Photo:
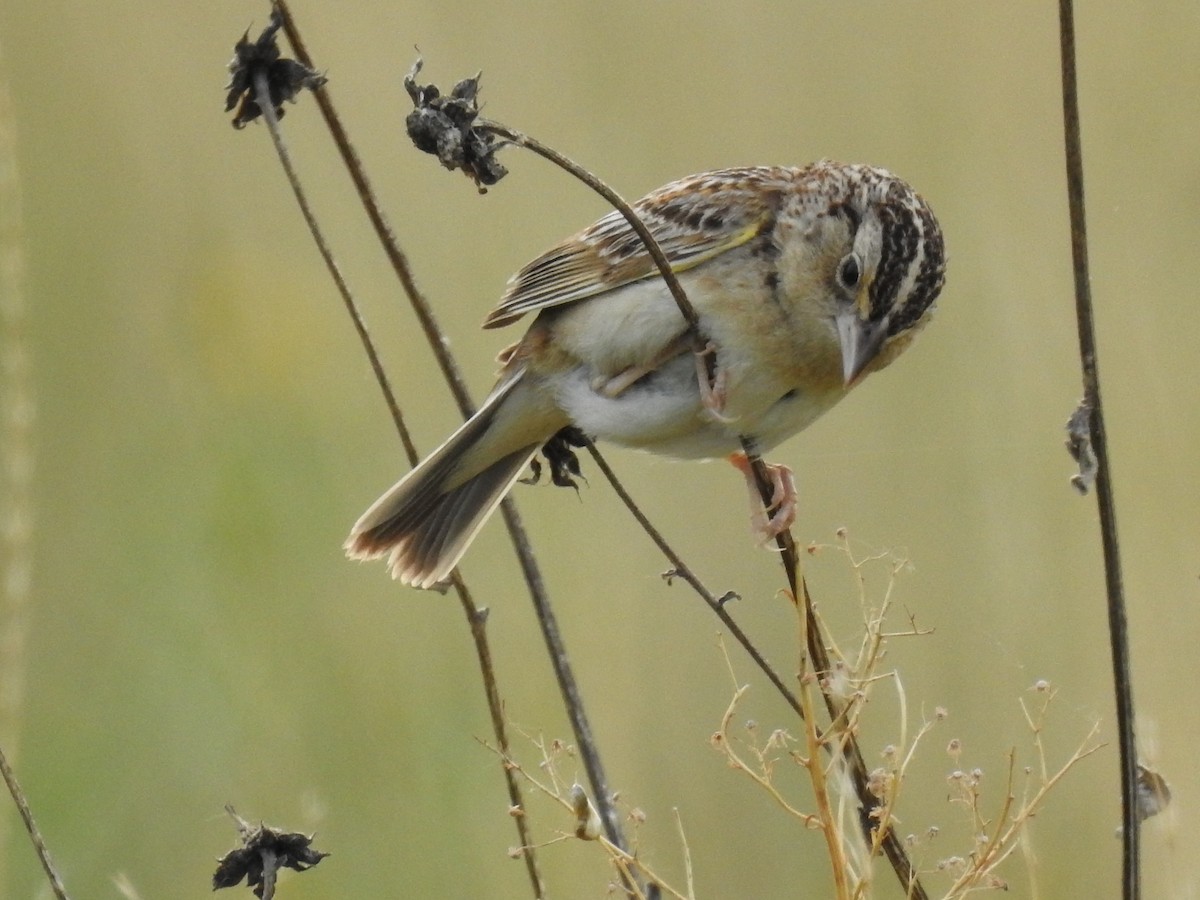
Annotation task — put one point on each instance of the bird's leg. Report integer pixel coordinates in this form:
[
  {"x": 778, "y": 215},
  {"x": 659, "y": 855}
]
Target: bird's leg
[
  {"x": 781, "y": 512},
  {"x": 616, "y": 385},
  {"x": 712, "y": 382},
  {"x": 622, "y": 381}
]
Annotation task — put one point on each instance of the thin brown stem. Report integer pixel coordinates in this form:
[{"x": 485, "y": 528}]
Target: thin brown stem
[
  {"x": 439, "y": 343},
  {"x": 569, "y": 688},
  {"x": 35, "y": 836},
  {"x": 619, "y": 204},
  {"x": 680, "y": 569},
  {"x": 476, "y": 618},
  {"x": 263, "y": 97},
  {"x": 434, "y": 335},
  {"x": 905, "y": 871},
  {"x": 1118, "y": 627}
]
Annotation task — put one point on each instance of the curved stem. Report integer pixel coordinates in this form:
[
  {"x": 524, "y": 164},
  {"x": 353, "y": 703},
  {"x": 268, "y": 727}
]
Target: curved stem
[
  {"x": 681, "y": 569},
  {"x": 619, "y": 204}
]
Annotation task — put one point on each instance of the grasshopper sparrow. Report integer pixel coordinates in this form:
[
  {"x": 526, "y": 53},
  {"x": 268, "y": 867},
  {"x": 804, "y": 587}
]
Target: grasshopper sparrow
[{"x": 804, "y": 279}]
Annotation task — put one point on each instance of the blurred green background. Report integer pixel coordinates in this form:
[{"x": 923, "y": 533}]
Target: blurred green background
[{"x": 208, "y": 429}]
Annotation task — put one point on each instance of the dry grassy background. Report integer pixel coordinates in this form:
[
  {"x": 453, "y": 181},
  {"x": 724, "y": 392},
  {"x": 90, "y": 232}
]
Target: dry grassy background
[{"x": 208, "y": 429}]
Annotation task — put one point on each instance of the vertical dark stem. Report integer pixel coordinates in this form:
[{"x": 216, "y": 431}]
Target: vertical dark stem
[
  {"x": 477, "y": 620},
  {"x": 568, "y": 687},
  {"x": 450, "y": 371},
  {"x": 1117, "y": 625},
  {"x": 475, "y": 617}
]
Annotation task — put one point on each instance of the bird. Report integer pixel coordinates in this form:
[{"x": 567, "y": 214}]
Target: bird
[{"x": 804, "y": 281}]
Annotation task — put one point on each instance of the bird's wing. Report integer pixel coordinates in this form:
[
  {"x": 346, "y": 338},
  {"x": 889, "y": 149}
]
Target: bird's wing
[{"x": 693, "y": 220}]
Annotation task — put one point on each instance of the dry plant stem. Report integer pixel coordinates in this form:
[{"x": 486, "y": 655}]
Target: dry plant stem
[
  {"x": 433, "y": 333},
  {"x": 262, "y": 95},
  {"x": 1004, "y": 841},
  {"x": 620, "y": 205},
  {"x": 633, "y": 869},
  {"x": 440, "y": 345},
  {"x": 1117, "y": 624},
  {"x": 1035, "y": 728},
  {"x": 476, "y": 618},
  {"x": 893, "y": 849},
  {"x": 867, "y": 662},
  {"x": 681, "y": 569},
  {"x": 765, "y": 783},
  {"x": 891, "y": 845},
  {"x": 839, "y": 864},
  {"x": 568, "y": 687},
  {"x": 848, "y": 745},
  {"x": 687, "y": 856},
  {"x": 887, "y": 811},
  {"x": 39, "y": 845}
]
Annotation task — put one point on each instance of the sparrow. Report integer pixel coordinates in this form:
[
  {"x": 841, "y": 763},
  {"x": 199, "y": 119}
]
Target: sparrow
[{"x": 804, "y": 279}]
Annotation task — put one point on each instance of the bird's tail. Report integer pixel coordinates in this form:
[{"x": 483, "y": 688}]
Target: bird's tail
[{"x": 425, "y": 523}]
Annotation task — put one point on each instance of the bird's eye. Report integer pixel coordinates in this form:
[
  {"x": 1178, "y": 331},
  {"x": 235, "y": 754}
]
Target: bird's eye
[{"x": 849, "y": 271}]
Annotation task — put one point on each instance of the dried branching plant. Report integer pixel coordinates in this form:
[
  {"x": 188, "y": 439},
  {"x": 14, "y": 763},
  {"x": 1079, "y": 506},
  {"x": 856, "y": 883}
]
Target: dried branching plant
[{"x": 993, "y": 827}]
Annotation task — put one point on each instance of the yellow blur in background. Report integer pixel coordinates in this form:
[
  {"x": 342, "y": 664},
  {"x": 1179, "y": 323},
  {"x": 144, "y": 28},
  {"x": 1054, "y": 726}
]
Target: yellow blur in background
[{"x": 208, "y": 429}]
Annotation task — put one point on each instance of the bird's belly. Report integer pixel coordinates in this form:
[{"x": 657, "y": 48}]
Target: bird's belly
[{"x": 663, "y": 413}]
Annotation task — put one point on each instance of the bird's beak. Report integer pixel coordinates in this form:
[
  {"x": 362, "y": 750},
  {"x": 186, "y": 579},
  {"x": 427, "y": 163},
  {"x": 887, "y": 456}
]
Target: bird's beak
[{"x": 860, "y": 340}]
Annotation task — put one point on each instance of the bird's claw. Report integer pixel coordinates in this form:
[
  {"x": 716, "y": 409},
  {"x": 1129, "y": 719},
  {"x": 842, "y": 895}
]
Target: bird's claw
[{"x": 778, "y": 516}]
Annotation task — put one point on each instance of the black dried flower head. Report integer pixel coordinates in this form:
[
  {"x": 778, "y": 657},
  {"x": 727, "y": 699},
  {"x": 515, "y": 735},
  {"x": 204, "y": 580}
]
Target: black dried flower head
[
  {"x": 263, "y": 852},
  {"x": 445, "y": 126},
  {"x": 285, "y": 77}
]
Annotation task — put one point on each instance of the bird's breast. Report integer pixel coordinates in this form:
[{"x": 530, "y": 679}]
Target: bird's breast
[{"x": 663, "y": 413}]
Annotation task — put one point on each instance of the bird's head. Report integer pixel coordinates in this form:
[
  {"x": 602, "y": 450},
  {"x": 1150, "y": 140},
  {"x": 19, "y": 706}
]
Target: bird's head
[{"x": 885, "y": 284}]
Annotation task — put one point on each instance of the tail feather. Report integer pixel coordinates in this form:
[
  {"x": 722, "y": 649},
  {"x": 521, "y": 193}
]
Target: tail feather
[
  {"x": 424, "y": 554},
  {"x": 425, "y": 523}
]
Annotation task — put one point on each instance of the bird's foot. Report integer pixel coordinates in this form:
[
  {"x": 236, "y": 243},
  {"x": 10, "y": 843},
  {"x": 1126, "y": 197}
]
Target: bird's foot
[{"x": 777, "y": 517}]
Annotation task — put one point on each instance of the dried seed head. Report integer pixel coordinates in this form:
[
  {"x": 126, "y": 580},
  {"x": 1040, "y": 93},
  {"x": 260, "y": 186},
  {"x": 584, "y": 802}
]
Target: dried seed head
[{"x": 285, "y": 78}]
